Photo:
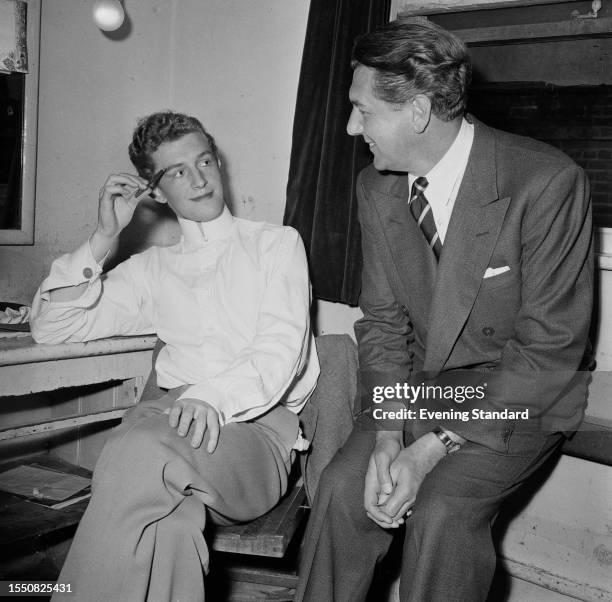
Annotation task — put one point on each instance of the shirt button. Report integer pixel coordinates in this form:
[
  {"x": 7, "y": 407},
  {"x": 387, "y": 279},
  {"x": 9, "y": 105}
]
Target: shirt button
[
  {"x": 88, "y": 273},
  {"x": 488, "y": 331}
]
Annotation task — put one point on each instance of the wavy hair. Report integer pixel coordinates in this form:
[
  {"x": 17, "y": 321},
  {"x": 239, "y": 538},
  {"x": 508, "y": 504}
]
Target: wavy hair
[
  {"x": 417, "y": 57},
  {"x": 155, "y": 129}
]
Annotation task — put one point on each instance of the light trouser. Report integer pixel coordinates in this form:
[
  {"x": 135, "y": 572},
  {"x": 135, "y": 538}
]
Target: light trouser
[{"x": 141, "y": 537}]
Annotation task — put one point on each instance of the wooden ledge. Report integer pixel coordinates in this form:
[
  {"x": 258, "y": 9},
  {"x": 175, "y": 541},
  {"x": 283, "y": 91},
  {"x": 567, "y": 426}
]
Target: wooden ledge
[{"x": 24, "y": 350}]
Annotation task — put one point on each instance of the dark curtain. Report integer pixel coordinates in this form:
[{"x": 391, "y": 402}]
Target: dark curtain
[{"x": 325, "y": 160}]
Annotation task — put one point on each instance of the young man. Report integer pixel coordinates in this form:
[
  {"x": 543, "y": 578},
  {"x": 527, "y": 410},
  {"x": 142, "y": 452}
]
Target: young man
[
  {"x": 231, "y": 303},
  {"x": 477, "y": 273}
]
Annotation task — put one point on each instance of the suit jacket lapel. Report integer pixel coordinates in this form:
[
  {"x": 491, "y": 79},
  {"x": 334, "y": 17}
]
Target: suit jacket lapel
[
  {"x": 472, "y": 233},
  {"x": 415, "y": 265}
]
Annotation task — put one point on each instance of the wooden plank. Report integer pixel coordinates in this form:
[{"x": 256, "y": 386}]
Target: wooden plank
[
  {"x": 255, "y": 592},
  {"x": 430, "y": 7},
  {"x": 268, "y": 535},
  {"x": 22, "y": 379},
  {"x": 537, "y": 32},
  {"x": 266, "y": 576},
  {"x": 554, "y": 582},
  {"x": 53, "y": 425},
  {"x": 592, "y": 442},
  {"x": 24, "y": 350}
]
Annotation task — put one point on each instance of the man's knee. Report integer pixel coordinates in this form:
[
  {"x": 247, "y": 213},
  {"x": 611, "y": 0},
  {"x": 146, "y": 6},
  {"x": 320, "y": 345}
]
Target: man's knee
[
  {"x": 433, "y": 509},
  {"x": 141, "y": 437},
  {"x": 339, "y": 482},
  {"x": 132, "y": 449},
  {"x": 444, "y": 513},
  {"x": 340, "y": 493}
]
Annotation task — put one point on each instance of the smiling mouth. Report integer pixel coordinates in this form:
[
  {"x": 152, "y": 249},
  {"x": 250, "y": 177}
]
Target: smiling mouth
[{"x": 202, "y": 197}]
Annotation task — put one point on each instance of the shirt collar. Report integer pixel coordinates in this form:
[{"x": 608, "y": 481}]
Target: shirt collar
[
  {"x": 442, "y": 177},
  {"x": 197, "y": 234}
]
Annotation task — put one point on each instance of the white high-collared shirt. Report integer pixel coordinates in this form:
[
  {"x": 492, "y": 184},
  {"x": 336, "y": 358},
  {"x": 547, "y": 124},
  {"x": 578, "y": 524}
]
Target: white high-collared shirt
[
  {"x": 445, "y": 177},
  {"x": 231, "y": 301}
]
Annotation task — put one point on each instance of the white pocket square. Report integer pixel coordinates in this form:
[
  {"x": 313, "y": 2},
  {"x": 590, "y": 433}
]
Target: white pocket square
[{"x": 496, "y": 271}]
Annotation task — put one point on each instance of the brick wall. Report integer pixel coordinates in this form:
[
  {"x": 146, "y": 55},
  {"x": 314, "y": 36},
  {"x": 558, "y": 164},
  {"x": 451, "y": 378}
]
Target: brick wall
[{"x": 575, "y": 119}]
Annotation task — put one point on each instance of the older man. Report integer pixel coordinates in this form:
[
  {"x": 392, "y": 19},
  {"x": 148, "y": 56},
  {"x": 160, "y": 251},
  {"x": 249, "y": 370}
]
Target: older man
[{"x": 476, "y": 291}]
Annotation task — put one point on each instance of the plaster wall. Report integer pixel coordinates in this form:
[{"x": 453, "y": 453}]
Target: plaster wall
[{"x": 234, "y": 64}]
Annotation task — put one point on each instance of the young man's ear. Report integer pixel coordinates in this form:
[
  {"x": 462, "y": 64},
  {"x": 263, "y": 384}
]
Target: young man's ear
[{"x": 159, "y": 197}]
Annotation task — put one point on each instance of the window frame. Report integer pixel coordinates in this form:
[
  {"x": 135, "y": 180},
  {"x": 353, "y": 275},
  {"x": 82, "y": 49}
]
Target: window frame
[{"x": 24, "y": 235}]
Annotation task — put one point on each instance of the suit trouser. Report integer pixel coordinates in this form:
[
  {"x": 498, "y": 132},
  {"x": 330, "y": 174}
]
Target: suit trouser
[
  {"x": 448, "y": 552},
  {"x": 141, "y": 537}
]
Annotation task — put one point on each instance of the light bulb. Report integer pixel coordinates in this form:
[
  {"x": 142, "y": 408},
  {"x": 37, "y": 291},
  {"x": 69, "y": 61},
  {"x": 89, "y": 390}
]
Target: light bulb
[{"x": 108, "y": 14}]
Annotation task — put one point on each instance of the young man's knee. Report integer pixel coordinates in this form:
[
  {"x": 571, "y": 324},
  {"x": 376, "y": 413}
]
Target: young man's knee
[
  {"x": 132, "y": 450},
  {"x": 143, "y": 435}
]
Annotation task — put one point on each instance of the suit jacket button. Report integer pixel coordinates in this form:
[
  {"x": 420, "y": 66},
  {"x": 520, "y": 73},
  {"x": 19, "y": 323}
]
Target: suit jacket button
[
  {"x": 88, "y": 273},
  {"x": 488, "y": 331}
]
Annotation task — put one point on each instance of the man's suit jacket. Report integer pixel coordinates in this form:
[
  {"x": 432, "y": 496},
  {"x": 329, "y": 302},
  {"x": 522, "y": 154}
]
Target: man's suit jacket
[{"x": 521, "y": 204}]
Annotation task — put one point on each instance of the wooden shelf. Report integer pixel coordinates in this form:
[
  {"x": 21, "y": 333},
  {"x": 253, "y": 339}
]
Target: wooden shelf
[
  {"x": 409, "y": 8},
  {"x": 537, "y": 32}
]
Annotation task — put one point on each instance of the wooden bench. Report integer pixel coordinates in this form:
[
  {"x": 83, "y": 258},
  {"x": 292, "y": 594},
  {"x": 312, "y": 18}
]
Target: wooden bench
[
  {"x": 270, "y": 534},
  {"x": 555, "y": 536},
  {"x": 592, "y": 441}
]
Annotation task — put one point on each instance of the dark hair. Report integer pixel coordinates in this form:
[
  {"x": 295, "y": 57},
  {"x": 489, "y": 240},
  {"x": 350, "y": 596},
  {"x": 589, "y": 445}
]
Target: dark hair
[
  {"x": 417, "y": 57},
  {"x": 152, "y": 131}
]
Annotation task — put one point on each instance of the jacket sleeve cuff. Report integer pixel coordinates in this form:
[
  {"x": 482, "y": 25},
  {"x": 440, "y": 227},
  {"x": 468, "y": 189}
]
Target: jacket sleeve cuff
[{"x": 493, "y": 434}]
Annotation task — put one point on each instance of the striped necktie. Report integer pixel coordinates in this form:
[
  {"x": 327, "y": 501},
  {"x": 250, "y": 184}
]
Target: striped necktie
[{"x": 421, "y": 210}]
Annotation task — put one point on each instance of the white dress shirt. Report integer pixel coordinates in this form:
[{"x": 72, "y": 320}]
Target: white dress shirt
[
  {"x": 231, "y": 301},
  {"x": 444, "y": 178}
]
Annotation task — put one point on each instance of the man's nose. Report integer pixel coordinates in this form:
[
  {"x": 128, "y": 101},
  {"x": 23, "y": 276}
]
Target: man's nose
[
  {"x": 199, "y": 179},
  {"x": 354, "y": 126}
]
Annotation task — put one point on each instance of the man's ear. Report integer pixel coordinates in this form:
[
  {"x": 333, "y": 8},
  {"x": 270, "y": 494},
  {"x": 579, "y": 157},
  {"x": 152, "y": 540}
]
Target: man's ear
[
  {"x": 159, "y": 197},
  {"x": 421, "y": 112}
]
